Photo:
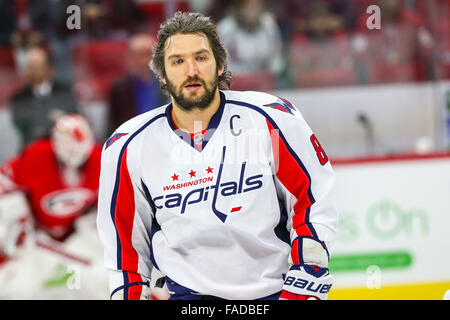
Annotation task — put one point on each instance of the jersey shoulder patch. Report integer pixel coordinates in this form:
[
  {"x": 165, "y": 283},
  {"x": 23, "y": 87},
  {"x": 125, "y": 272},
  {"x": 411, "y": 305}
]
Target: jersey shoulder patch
[
  {"x": 282, "y": 105},
  {"x": 113, "y": 139}
]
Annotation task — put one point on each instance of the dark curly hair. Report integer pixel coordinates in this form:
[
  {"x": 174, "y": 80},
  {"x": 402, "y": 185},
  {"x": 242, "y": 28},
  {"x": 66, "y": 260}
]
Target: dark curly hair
[{"x": 187, "y": 23}]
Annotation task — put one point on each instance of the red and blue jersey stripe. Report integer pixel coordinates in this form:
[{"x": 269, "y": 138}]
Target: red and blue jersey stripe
[
  {"x": 122, "y": 214},
  {"x": 294, "y": 176}
]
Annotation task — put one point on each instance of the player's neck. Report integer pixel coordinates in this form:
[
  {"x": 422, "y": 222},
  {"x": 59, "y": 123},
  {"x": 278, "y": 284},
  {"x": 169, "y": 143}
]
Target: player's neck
[{"x": 196, "y": 120}]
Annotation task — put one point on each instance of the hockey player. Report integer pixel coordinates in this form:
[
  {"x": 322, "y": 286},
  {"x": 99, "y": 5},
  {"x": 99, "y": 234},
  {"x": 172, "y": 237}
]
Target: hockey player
[
  {"x": 52, "y": 186},
  {"x": 226, "y": 193},
  {"x": 59, "y": 175}
]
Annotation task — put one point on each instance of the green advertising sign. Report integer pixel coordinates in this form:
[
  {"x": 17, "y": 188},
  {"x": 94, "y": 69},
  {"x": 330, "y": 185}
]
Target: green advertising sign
[{"x": 361, "y": 261}]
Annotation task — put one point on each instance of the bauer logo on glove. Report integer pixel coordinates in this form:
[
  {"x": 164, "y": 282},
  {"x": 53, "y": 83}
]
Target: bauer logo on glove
[{"x": 307, "y": 281}]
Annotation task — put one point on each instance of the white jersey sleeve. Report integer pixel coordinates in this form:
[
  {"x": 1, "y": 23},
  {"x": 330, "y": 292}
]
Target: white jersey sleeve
[
  {"x": 123, "y": 220},
  {"x": 304, "y": 180}
]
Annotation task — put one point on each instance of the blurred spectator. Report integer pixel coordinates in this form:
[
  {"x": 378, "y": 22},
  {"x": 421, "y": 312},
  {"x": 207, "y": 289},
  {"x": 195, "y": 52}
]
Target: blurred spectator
[
  {"x": 254, "y": 45},
  {"x": 24, "y": 36},
  {"x": 138, "y": 91},
  {"x": 25, "y": 24},
  {"x": 95, "y": 23},
  {"x": 98, "y": 49},
  {"x": 58, "y": 174},
  {"x": 437, "y": 17},
  {"x": 45, "y": 17},
  {"x": 108, "y": 19},
  {"x": 126, "y": 18},
  {"x": 48, "y": 19},
  {"x": 217, "y": 10},
  {"x": 400, "y": 51},
  {"x": 42, "y": 100},
  {"x": 35, "y": 23},
  {"x": 10, "y": 79},
  {"x": 156, "y": 11},
  {"x": 7, "y": 22},
  {"x": 295, "y": 15},
  {"x": 21, "y": 43},
  {"x": 321, "y": 22},
  {"x": 320, "y": 49}
]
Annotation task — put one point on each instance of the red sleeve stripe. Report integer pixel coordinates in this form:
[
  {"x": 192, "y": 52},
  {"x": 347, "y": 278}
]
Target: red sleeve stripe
[
  {"x": 131, "y": 290},
  {"x": 124, "y": 218},
  {"x": 295, "y": 253},
  {"x": 134, "y": 292},
  {"x": 122, "y": 210},
  {"x": 292, "y": 174},
  {"x": 295, "y": 178}
]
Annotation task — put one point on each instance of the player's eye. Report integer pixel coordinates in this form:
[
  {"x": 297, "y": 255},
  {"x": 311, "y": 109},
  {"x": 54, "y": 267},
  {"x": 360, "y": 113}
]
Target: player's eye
[
  {"x": 177, "y": 61},
  {"x": 201, "y": 58}
]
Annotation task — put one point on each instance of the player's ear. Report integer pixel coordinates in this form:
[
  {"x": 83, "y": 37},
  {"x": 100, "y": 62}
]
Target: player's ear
[{"x": 220, "y": 71}]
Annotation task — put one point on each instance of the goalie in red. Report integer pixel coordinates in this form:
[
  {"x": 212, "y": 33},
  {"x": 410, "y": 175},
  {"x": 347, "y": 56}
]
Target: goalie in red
[
  {"x": 48, "y": 198},
  {"x": 58, "y": 175}
]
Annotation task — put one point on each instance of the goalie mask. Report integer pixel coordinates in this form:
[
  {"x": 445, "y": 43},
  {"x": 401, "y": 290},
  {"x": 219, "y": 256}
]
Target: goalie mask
[{"x": 72, "y": 140}]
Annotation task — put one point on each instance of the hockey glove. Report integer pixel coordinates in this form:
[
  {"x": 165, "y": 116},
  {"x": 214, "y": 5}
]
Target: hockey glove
[
  {"x": 306, "y": 282},
  {"x": 158, "y": 287}
]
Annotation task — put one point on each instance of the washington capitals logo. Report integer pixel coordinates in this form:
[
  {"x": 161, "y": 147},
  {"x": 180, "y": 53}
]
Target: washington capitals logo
[
  {"x": 113, "y": 139},
  {"x": 282, "y": 105},
  {"x": 219, "y": 189}
]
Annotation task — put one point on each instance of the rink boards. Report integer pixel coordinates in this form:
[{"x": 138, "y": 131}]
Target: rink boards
[{"x": 394, "y": 228}]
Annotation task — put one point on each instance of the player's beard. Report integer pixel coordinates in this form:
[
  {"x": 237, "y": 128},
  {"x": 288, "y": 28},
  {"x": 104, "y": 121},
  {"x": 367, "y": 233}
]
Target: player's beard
[{"x": 188, "y": 102}]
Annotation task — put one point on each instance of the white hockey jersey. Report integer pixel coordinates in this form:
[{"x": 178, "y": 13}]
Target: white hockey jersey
[{"x": 222, "y": 219}]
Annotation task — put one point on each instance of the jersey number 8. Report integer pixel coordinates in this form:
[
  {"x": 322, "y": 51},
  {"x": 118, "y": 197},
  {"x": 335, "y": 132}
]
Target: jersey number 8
[{"x": 321, "y": 155}]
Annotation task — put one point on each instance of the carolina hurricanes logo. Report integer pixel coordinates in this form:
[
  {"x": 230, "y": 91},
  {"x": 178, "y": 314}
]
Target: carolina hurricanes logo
[
  {"x": 67, "y": 202},
  {"x": 282, "y": 105}
]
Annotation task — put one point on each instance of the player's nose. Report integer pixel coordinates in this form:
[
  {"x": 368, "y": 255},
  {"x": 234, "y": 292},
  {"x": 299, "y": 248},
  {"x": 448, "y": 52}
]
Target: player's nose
[{"x": 192, "y": 69}]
